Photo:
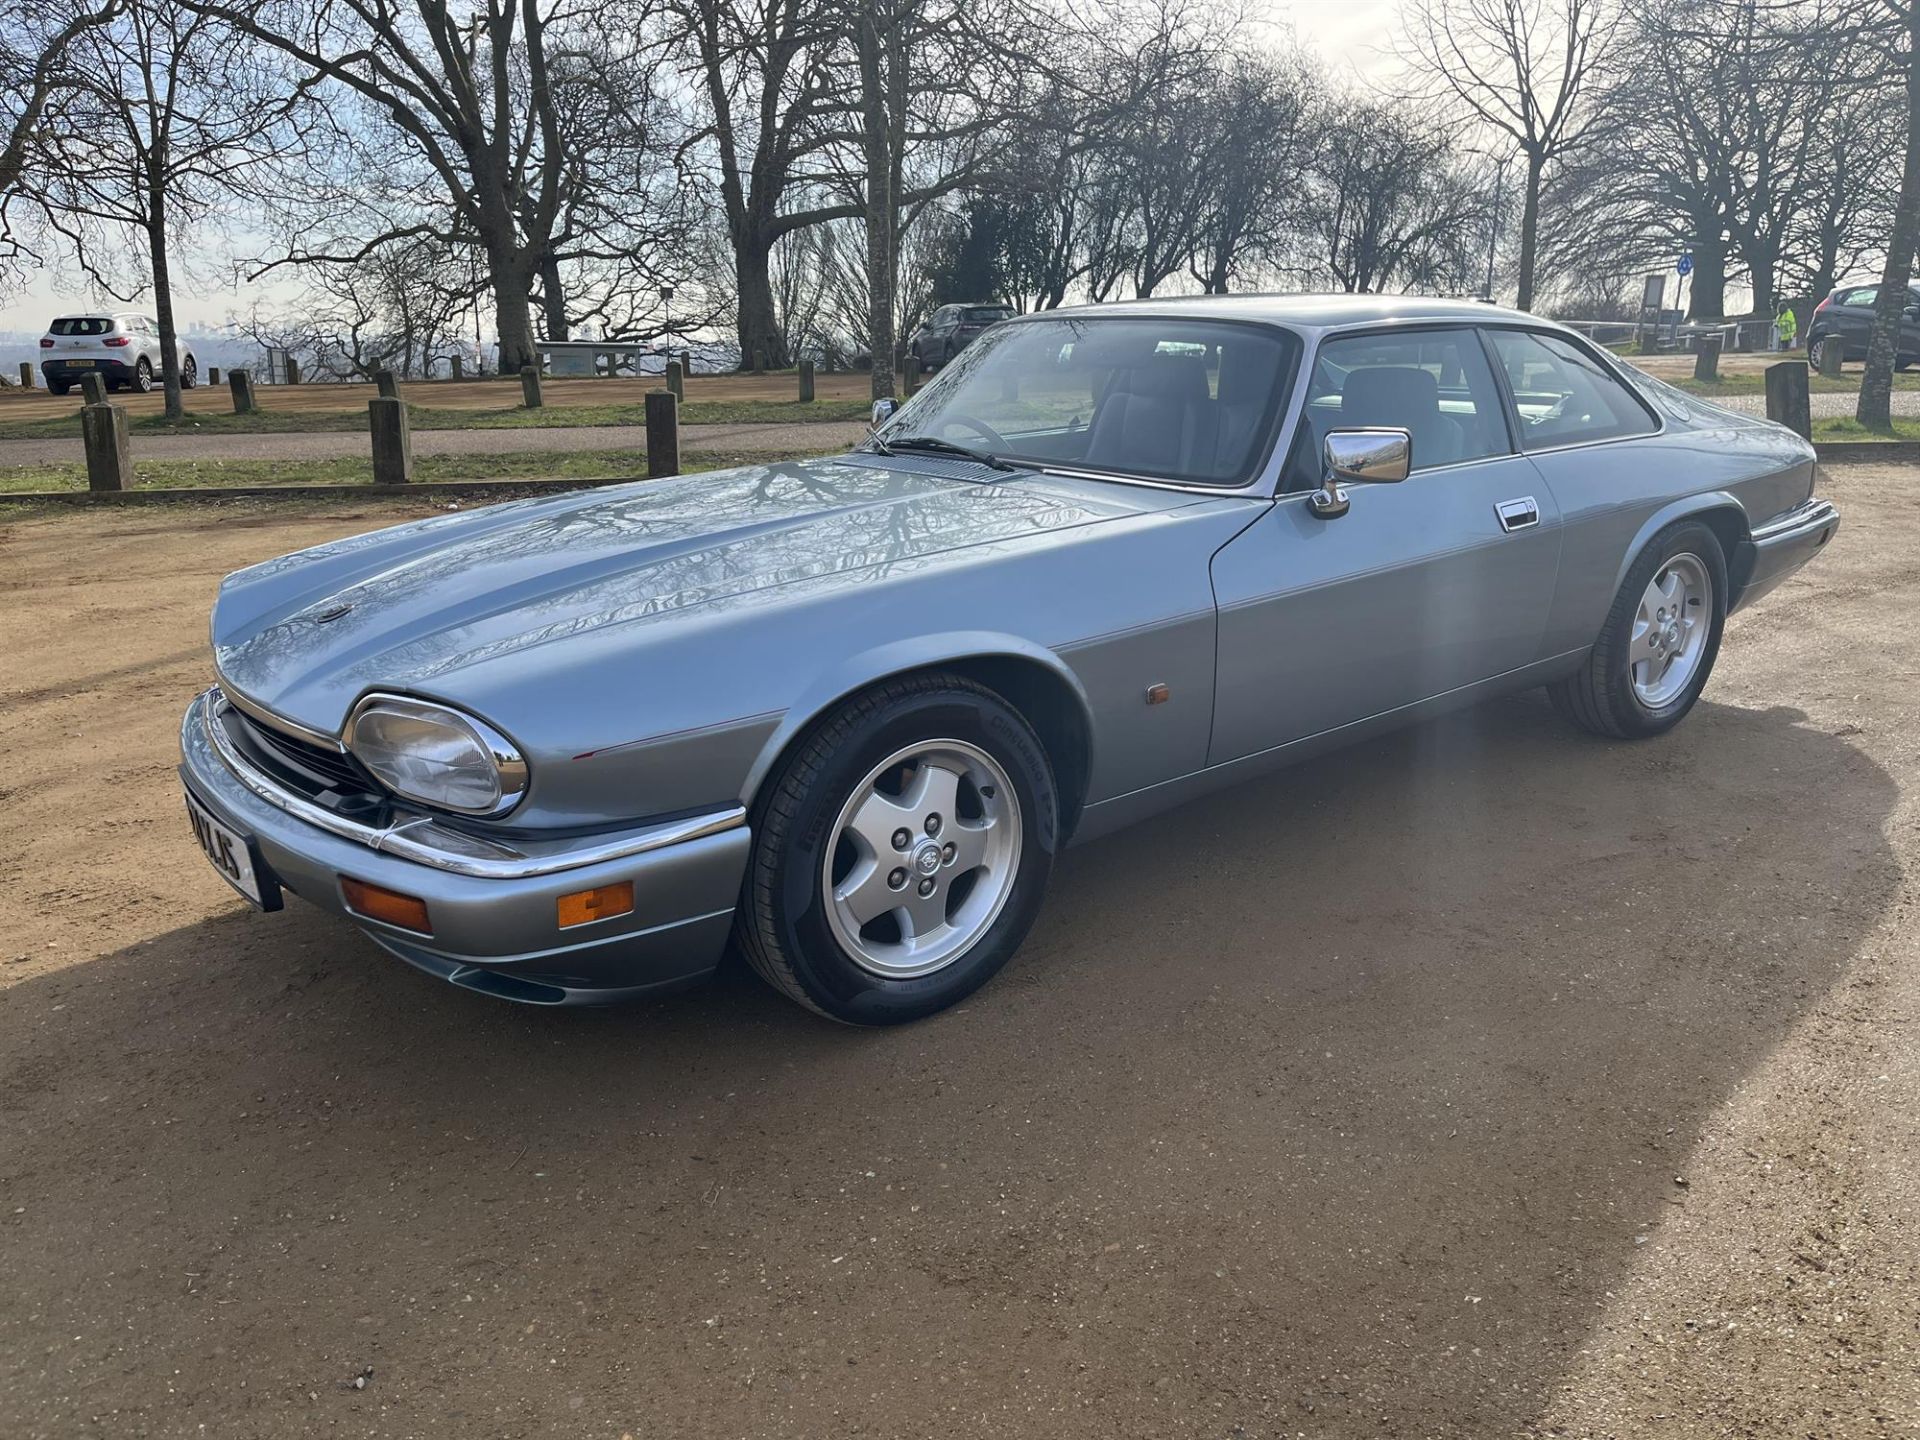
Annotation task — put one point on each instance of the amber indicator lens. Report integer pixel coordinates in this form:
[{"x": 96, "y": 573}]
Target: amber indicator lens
[
  {"x": 376, "y": 902},
  {"x": 603, "y": 902}
]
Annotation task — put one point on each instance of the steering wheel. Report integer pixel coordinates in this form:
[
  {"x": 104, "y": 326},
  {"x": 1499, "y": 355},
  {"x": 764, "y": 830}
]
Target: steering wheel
[{"x": 994, "y": 437}]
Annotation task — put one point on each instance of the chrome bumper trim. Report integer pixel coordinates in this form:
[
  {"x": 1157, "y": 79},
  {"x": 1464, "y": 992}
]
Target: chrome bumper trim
[
  {"x": 1805, "y": 517},
  {"x": 413, "y": 838}
]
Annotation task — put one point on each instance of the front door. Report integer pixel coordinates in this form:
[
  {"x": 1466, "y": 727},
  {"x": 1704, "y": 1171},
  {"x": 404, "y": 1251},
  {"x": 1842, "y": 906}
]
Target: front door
[{"x": 1421, "y": 588}]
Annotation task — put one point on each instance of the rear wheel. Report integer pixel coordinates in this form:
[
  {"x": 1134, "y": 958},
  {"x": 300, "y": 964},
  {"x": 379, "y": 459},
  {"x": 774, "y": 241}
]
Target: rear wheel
[
  {"x": 900, "y": 852},
  {"x": 142, "y": 376},
  {"x": 58, "y": 387},
  {"x": 189, "y": 373},
  {"x": 1659, "y": 643}
]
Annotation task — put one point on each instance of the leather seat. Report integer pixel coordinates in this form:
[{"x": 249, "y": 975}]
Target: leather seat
[
  {"x": 1157, "y": 415},
  {"x": 1403, "y": 397}
]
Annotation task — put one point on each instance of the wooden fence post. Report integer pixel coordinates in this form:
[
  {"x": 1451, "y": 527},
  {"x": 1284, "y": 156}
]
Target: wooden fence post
[
  {"x": 806, "y": 382},
  {"x": 103, "y": 431},
  {"x": 677, "y": 380},
  {"x": 459, "y": 368},
  {"x": 910, "y": 374},
  {"x": 387, "y": 384},
  {"x": 93, "y": 389},
  {"x": 1706, "y": 359},
  {"x": 1787, "y": 401},
  {"x": 240, "y": 386},
  {"x": 663, "y": 434},
  {"x": 530, "y": 387},
  {"x": 1830, "y": 355},
  {"x": 213, "y": 375},
  {"x": 392, "y": 442},
  {"x": 26, "y": 374},
  {"x": 293, "y": 371}
]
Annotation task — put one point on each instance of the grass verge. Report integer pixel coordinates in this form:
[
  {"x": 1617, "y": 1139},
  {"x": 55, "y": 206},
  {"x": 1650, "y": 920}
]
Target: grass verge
[
  {"x": 586, "y": 466},
  {"x": 421, "y": 417},
  {"x": 1845, "y": 427}
]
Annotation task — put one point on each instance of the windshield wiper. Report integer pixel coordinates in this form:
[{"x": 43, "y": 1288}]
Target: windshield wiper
[{"x": 947, "y": 447}]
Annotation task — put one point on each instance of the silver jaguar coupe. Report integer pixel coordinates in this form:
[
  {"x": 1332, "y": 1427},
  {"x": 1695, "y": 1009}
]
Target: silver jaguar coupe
[{"x": 844, "y": 714}]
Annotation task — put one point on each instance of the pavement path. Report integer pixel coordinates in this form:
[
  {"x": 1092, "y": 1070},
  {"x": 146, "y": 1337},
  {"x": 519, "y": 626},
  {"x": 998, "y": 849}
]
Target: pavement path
[{"x": 823, "y": 438}]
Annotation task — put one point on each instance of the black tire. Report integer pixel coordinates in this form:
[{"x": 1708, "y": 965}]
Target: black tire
[
  {"x": 1600, "y": 697},
  {"x": 58, "y": 387},
  {"x": 142, "y": 376},
  {"x": 189, "y": 373},
  {"x": 782, "y": 926}
]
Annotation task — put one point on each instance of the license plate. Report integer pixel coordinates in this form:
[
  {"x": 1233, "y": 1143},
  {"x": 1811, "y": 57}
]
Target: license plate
[
  {"x": 232, "y": 855},
  {"x": 83, "y": 362}
]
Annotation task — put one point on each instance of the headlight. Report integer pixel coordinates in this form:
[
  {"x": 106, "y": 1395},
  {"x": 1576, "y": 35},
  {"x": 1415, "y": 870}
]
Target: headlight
[{"x": 437, "y": 756}]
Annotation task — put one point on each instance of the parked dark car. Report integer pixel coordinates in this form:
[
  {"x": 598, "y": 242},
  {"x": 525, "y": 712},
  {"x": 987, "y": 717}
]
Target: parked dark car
[
  {"x": 946, "y": 332},
  {"x": 1848, "y": 313}
]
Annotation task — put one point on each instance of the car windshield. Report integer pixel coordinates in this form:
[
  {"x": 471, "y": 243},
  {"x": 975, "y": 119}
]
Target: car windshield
[
  {"x": 1192, "y": 401},
  {"x": 984, "y": 314},
  {"x": 82, "y": 325}
]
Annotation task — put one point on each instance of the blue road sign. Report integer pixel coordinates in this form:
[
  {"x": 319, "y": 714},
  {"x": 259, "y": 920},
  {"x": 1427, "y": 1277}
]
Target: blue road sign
[{"x": 1684, "y": 265}]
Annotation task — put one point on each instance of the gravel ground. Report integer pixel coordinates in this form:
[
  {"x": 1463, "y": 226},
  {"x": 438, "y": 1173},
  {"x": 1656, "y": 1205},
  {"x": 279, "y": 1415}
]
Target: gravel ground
[
  {"x": 1485, "y": 1080},
  {"x": 1905, "y": 402},
  {"x": 823, "y": 437}
]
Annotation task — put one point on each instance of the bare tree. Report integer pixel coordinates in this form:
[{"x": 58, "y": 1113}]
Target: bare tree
[
  {"x": 1525, "y": 69},
  {"x": 163, "y": 118},
  {"x": 1891, "y": 29},
  {"x": 35, "y": 46}
]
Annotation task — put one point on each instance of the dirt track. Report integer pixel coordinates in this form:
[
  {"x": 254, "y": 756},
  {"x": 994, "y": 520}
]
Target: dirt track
[{"x": 1483, "y": 1081}]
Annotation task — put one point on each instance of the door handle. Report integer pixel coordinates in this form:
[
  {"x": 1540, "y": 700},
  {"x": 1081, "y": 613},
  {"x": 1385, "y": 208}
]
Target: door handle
[{"x": 1517, "y": 514}]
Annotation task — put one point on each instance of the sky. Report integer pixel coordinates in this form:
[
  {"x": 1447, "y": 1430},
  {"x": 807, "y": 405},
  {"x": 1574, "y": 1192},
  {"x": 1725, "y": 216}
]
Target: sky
[{"x": 1352, "y": 36}]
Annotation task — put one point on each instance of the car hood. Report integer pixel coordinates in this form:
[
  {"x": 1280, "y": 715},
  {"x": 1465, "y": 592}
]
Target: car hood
[{"x": 412, "y": 606}]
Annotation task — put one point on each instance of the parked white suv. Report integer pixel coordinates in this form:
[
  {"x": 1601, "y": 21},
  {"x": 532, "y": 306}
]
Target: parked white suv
[{"x": 125, "y": 348}]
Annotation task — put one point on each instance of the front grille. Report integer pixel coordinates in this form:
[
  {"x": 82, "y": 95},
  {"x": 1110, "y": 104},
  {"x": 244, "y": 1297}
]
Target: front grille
[{"x": 316, "y": 772}]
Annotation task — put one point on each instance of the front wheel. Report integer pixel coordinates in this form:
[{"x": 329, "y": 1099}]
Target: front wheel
[
  {"x": 142, "y": 376},
  {"x": 1659, "y": 642},
  {"x": 901, "y": 852},
  {"x": 189, "y": 374}
]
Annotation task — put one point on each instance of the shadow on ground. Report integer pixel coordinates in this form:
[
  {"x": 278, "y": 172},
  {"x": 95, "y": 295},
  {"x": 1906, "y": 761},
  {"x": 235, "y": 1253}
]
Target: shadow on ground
[{"x": 1335, "y": 1105}]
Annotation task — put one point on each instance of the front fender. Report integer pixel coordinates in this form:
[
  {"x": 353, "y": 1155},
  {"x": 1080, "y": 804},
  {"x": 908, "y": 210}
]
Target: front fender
[{"x": 920, "y": 652}]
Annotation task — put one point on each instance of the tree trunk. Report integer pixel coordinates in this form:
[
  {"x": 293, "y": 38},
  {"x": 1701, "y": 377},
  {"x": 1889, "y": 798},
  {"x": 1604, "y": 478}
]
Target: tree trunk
[
  {"x": 163, "y": 296},
  {"x": 761, "y": 343},
  {"x": 877, "y": 154},
  {"x": 1529, "y": 230},
  {"x": 513, "y": 319},
  {"x": 553, "y": 298},
  {"x": 1708, "y": 298},
  {"x": 1876, "y": 385}
]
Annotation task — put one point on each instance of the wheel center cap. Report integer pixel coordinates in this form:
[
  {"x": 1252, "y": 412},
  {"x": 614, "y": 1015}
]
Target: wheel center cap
[{"x": 926, "y": 858}]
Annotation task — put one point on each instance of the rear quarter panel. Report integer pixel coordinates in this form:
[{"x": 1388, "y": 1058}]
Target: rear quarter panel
[{"x": 1615, "y": 496}]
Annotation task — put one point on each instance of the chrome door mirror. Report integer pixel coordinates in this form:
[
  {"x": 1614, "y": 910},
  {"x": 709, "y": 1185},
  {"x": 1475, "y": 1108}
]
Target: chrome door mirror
[
  {"x": 883, "y": 409},
  {"x": 1377, "y": 457}
]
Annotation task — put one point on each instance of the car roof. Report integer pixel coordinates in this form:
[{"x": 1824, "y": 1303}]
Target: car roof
[
  {"x": 94, "y": 315},
  {"x": 1307, "y": 312}
]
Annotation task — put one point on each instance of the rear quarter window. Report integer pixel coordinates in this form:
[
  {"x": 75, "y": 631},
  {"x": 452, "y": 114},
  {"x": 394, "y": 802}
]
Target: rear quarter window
[
  {"x": 1564, "y": 396},
  {"x": 83, "y": 325}
]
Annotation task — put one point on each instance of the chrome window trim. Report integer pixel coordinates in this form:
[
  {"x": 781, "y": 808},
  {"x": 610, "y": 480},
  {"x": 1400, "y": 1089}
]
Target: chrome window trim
[{"x": 402, "y": 840}]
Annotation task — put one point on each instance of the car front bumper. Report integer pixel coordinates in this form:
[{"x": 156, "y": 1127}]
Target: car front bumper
[
  {"x": 1781, "y": 546},
  {"x": 494, "y": 927}
]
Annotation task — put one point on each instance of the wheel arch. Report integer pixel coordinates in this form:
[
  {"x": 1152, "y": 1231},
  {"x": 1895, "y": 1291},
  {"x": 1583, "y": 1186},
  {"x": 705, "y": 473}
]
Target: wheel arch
[
  {"x": 1719, "y": 512},
  {"x": 1029, "y": 677}
]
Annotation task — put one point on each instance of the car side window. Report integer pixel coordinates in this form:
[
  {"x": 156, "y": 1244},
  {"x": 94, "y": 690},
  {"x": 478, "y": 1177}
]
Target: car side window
[
  {"x": 1863, "y": 298},
  {"x": 1562, "y": 395},
  {"x": 1434, "y": 384}
]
